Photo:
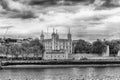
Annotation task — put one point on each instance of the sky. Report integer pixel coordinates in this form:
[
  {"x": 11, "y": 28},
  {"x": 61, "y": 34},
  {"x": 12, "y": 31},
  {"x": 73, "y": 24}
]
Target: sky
[{"x": 87, "y": 19}]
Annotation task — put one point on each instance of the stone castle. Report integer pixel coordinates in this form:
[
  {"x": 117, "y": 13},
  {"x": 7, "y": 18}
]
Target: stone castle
[{"x": 56, "y": 48}]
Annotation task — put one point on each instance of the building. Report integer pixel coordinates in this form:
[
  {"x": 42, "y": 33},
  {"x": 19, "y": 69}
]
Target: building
[
  {"x": 55, "y": 45},
  {"x": 74, "y": 43},
  {"x": 56, "y": 54}
]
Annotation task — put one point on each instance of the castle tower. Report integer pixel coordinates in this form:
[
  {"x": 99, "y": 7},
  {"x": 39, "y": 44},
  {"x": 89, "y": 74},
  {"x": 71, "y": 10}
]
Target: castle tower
[
  {"x": 118, "y": 54},
  {"x": 53, "y": 39},
  {"x": 42, "y": 36},
  {"x": 107, "y": 52},
  {"x": 53, "y": 34},
  {"x": 69, "y": 35},
  {"x": 57, "y": 35}
]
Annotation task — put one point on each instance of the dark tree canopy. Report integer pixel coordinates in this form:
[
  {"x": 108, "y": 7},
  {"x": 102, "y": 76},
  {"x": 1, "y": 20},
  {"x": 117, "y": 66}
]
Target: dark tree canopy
[
  {"x": 82, "y": 46},
  {"x": 114, "y": 46},
  {"x": 33, "y": 47},
  {"x": 98, "y": 47}
]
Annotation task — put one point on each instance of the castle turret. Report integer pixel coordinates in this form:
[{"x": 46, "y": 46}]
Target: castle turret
[
  {"x": 57, "y": 35},
  {"x": 53, "y": 39},
  {"x": 70, "y": 42},
  {"x": 106, "y": 53},
  {"x": 69, "y": 35},
  {"x": 42, "y": 36},
  {"x": 53, "y": 34}
]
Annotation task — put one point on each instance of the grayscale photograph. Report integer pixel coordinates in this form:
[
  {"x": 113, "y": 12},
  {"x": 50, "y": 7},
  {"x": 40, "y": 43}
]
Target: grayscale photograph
[{"x": 59, "y": 39}]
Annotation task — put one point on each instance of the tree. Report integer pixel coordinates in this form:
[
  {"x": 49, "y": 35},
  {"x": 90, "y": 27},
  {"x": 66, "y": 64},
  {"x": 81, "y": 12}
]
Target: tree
[
  {"x": 83, "y": 46},
  {"x": 98, "y": 47},
  {"x": 34, "y": 47},
  {"x": 25, "y": 49},
  {"x": 15, "y": 50},
  {"x": 114, "y": 47},
  {"x": 37, "y": 47}
]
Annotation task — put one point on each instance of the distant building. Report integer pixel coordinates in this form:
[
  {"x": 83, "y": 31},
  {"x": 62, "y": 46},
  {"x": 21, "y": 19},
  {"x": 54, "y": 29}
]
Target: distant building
[{"x": 54, "y": 45}]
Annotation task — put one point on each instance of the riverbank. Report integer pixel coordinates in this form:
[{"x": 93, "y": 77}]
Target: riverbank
[
  {"x": 56, "y": 66},
  {"x": 60, "y": 63}
]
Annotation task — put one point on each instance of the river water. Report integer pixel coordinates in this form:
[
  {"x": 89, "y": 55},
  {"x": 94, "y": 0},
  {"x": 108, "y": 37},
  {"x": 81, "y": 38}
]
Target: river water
[{"x": 86, "y": 73}]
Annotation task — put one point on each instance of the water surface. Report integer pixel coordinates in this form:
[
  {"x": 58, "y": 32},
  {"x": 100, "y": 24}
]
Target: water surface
[{"x": 86, "y": 73}]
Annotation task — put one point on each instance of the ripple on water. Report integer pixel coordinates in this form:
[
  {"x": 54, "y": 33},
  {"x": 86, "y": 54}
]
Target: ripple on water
[{"x": 89, "y": 73}]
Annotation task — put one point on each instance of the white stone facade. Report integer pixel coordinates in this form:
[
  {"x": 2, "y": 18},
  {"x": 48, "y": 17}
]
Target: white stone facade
[
  {"x": 57, "y": 44},
  {"x": 79, "y": 56},
  {"x": 55, "y": 55},
  {"x": 107, "y": 52},
  {"x": 118, "y": 53}
]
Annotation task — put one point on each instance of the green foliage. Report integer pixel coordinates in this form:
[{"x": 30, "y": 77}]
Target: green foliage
[
  {"x": 98, "y": 47},
  {"x": 83, "y": 46},
  {"x": 114, "y": 46},
  {"x": 36, "y": 48},
  {"x": 2, "y": 49},
  {"x": 33, "y": 47}
]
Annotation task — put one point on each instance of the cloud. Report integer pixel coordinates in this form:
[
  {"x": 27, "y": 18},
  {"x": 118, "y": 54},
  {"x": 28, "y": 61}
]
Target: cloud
[
  {"x": 84, "y": 20},
  {"x": 6, "y": 27},
  {"x": 58, "y": 2},
  {"x": 102, "y": 4},
  {"x": 15, "y": 9},
  {"x": 15, "y": 5},
  {"x": 23, "y": 15},
  {"x": 105, "y": 3}
]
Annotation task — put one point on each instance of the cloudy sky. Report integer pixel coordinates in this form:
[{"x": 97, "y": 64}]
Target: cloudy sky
[{"x": 88, "y": 19}]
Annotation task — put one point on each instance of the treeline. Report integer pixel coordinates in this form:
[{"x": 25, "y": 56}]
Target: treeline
[
  {"x": 97, "y": 47},
  {"x": 33, "y": 47},
  {"x": 36, "y": 48}
]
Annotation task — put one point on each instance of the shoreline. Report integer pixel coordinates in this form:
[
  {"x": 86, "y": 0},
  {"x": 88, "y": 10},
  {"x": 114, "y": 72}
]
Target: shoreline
[
  {"x": 60, "y": 64},
  {"x": 57, "y": 66}
]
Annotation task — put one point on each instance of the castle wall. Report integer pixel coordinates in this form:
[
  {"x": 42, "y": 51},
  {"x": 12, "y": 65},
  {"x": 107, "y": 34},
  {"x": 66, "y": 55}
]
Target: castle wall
[
  {"x": 58, "y": 45},
  {"x": 56, "y": 56},
  {"x": 107, "y": 52},
  {"x": 118, "y": 54},
  {"x": 82, "y": 55},
  {"x": 90, "y": 56}
]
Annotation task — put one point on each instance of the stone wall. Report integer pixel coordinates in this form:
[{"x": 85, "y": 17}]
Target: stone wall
[
  {"x": 90, "y": 56},
  {"x": 82, "y": 55}
]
